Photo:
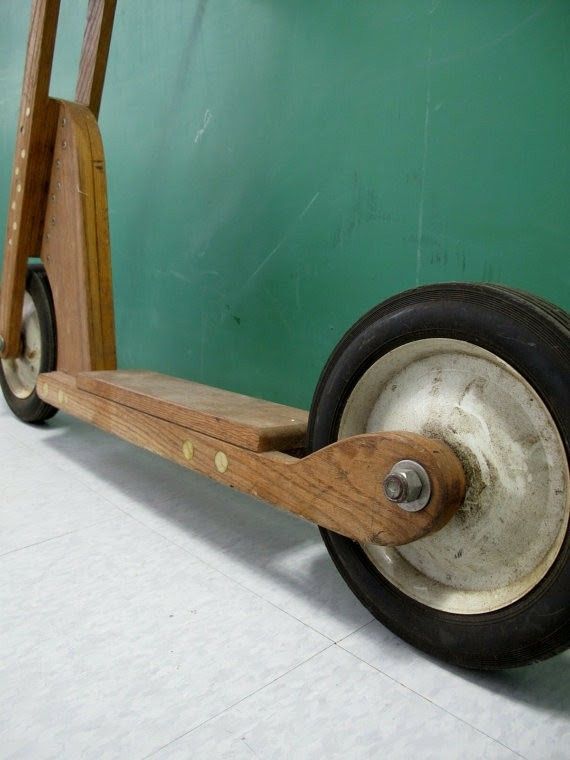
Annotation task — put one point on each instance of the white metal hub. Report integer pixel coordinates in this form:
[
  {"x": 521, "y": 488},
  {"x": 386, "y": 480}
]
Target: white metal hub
[
  {"x": 510, "y": 529},
  {"x": 22, "y": 373}
]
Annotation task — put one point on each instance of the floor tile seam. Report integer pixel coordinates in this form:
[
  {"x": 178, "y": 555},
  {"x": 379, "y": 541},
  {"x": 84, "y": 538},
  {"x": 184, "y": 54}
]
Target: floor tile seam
[
  {"x": 116, "y": 504},
  {"x": 115, "y": 501},
  {"x": 217, "y": 570},
  {"x": 33, "y": 446},
  {"x": 356, "y": 630},
  {"x": 76, "y": 473},
  {"x": 240, "y": 701},
  {"x": 87, "y": 480},
  {"x": 59, "y": 536},
  {"x": 87, "y": 486},
  {"x": 434, "y": 704}
]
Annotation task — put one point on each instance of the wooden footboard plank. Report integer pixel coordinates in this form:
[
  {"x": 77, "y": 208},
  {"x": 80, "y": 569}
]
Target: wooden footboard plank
[{"x": 244, "y": 421}]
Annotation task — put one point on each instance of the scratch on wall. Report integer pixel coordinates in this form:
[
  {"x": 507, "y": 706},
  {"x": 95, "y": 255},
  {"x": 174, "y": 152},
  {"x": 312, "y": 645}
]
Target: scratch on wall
[
  {"x": 309, "y": 204},
  {"x": 272, "y": 253},
  {"x": 206, "y": 120},
  {"x": 420, "y": 232},
  {"x": 266, "y": 260},
  {"x": 511, "y": 32}
]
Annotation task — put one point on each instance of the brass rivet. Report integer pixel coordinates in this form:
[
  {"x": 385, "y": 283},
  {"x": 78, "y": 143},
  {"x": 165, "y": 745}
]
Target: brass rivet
[
  {"x": 13, "y": 205},
  {"x": 17, "y": 172},
  {"x": 9, "y": 241},
  {"x": 15, "y": 226},
  {"x": 221, "y": 461},
  {"x": 18, "y": 188},
  {"x": 188, "y": 450},
  {"x": 64, "y": 144},
  {"x": 28, "y": 111},
  {"x": 61, "y": 397},
  {"x": 23, "y": 153},
  {"x": 46, "y": 389}
]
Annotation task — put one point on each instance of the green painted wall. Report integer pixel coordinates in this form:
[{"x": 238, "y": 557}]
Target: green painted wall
[{"x": 277, "y": 167}]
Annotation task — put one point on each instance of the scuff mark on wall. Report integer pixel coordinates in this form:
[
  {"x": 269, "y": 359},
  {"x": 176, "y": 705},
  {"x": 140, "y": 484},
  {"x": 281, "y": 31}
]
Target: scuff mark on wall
[
  {"x": 272, "y": 253},
  {"x": 309, "y": 204},
  {"x": 507, "y": 34},
  {"x": 206, "y": 120},
  {"x": 424, "y": 161}
]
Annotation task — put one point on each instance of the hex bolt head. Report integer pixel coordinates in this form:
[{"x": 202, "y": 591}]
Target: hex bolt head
[{"x": 407, "y": 484}]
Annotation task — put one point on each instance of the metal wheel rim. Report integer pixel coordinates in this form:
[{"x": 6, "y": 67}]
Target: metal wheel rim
[
  {"x": 507, "y": 535},
  {"x": 21, "y": 374}
]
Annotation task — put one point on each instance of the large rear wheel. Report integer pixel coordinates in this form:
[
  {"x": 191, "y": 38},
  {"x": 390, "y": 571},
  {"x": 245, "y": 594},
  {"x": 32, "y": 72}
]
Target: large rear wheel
[{"x": 483, "y": 368}]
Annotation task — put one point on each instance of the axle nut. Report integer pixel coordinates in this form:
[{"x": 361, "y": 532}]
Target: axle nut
[{"x": 408, "y": 485}]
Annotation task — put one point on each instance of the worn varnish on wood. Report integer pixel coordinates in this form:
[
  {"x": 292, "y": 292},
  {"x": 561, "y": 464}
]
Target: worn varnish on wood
[
  {"x": 94, "y": 53},
  {"x": 338, "y": 487},
  {"x": 248, "y": 422},
  {"x": 75, "y": 246},
  {"x": 37, "y": 124}
]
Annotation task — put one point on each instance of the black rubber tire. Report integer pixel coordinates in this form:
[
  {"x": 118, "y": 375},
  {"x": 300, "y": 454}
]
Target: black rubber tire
[
  {"x": 32, "y": 409},
  {"x": 533, "y": 337}
]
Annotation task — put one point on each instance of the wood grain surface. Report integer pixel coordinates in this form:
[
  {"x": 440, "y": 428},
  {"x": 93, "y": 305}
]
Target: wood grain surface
[
  {"x": 75, "y": 246},
  {"x": 248, "y": 422},
  {"x": 94, "y": 54},
  {"x": 37, "y": 124}
]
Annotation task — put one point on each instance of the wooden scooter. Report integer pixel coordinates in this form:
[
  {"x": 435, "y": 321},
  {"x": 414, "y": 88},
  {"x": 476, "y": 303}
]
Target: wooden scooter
[{"x": 383, "y": 488}]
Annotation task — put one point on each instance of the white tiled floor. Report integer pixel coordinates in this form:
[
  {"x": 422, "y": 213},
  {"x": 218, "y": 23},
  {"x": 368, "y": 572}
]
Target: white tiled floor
[{"x": 145, "y": 611}]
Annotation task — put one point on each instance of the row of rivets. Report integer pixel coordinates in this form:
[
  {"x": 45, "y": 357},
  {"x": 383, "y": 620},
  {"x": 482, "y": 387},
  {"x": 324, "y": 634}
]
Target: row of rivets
[
  {"x": 220, "y": 460},
  {"x": 58, "y": 165},
  {"x": 17, "y": 174},
  {"x": 61, "y": 397}
]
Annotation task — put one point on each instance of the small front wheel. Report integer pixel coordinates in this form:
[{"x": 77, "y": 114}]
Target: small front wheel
[
  {"x": 38, "y": 351},
  {"x": 484, "y": 369}
]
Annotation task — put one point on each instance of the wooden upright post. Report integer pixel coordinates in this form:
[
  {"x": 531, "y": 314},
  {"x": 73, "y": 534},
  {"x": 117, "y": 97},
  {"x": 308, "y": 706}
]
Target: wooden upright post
[
  {"x": 31, "y": 171},
  {"x": 58, "y": 203},
  {"x": 95, "y": 52}
]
